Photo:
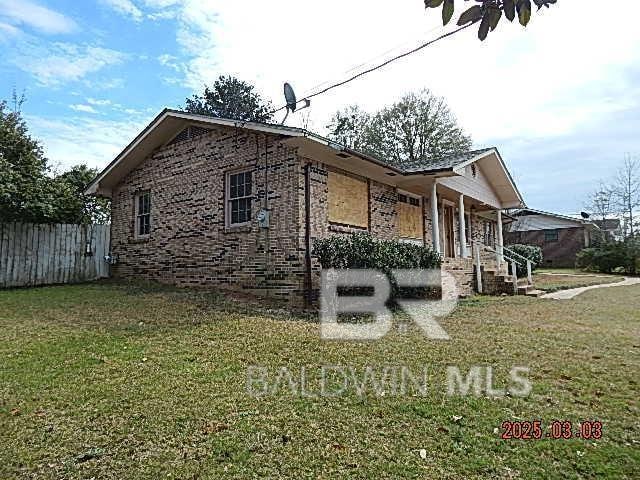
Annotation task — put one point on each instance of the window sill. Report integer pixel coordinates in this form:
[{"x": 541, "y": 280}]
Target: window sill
[
  {"x": 238, "y": 229},
  {"x": 333, "y": 227},
  {"x": 144, "y": 239}
]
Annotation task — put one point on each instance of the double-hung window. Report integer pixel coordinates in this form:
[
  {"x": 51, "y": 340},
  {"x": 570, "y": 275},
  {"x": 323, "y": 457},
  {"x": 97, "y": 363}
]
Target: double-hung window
[
  {"x": 551, "y": 235},
  {"x": 239, "y": 197},
  {"x": 143, "y": 215}
]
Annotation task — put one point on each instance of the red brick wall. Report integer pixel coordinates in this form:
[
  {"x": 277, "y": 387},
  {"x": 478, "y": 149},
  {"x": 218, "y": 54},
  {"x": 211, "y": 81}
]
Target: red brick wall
[
  {"x": 189, "y": 243},
  {"x": 556, "y": 254}
]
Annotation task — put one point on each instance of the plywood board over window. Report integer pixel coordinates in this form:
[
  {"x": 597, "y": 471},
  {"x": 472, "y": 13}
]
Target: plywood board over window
[
  {"x": 348, "y": 200},
  {"x": 410, "y": 217}
]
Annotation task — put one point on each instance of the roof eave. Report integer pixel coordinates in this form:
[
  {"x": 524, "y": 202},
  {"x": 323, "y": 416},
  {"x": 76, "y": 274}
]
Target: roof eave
[{"x": 94, "y": 187}]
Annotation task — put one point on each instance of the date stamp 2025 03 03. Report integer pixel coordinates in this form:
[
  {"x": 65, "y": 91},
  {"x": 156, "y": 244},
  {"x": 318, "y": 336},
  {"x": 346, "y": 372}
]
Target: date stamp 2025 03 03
[{"x": 555, "y": 430}]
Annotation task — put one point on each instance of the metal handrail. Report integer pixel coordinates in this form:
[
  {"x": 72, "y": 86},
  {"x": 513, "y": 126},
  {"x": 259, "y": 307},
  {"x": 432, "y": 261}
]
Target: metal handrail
[
  {"x": 529, "y": 264},
  {"x": 500, "y": 256},
  {"x": 487, "y": 247},
  {"x": 515, "y": 253}
]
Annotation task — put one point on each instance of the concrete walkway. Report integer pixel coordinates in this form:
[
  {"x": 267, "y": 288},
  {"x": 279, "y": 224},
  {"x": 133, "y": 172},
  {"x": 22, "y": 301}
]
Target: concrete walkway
[
  {"x": 574, "y": 292},
  {"x": 579, "y": 275}
]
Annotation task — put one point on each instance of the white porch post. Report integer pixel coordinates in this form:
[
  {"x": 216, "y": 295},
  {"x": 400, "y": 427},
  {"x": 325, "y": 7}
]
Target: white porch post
[
  {"x": 500, "y": 240},
  {"x": 435, "y": 219},
  {"x": 461, "y": 225}
]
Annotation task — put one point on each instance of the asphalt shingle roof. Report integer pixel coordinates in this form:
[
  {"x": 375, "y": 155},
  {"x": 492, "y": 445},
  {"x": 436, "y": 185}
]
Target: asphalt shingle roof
[
  {"x": 451, "y": 161},
  {"x": 437, "y": 164}
]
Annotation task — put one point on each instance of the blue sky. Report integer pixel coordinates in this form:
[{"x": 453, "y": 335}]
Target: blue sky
[{"x": 559, "y": 99}]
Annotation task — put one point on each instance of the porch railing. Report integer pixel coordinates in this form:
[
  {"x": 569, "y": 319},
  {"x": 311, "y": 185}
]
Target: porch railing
[
  {"x": 478, "y": 247},
  {"x": 524, "y": 259}
]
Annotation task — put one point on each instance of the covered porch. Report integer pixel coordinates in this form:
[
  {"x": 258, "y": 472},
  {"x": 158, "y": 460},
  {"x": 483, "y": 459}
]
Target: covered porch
[
  {"x": 464, "y": 221},
  {"x": 453, "y": 204}
]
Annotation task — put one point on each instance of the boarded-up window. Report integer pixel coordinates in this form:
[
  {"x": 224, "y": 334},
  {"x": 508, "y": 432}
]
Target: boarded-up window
[
  {"x": 348, "y": 200},
  {"x": 410, "y": 218}
]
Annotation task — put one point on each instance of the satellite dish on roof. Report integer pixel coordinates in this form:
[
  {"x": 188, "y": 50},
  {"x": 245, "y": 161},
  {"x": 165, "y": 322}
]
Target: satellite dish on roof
[
  {"x": 585, "y": 215},
  {"x": 292, "y": 101},
  {"x": 290, "y": 97}
]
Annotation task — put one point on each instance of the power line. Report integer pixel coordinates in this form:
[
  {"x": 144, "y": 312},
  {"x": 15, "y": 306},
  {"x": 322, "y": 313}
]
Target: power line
[
  {"x": 384, "y": 64},
  {"x": 369, "y": 61}
]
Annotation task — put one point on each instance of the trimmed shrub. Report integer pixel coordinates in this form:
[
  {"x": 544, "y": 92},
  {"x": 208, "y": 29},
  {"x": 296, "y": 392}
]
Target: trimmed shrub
[
  {"x": 619, "y": 257},
  {"x": 532, "y": 252},
  {"x": 362, "y": 251}
]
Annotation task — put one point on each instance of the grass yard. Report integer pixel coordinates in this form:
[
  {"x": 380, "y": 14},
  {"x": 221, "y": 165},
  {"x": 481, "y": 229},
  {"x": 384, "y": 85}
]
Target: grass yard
[
  {"x": 567, "y": 271},
  {"x": 113, "y": 381},
  {"x": 557, "y": 281}
]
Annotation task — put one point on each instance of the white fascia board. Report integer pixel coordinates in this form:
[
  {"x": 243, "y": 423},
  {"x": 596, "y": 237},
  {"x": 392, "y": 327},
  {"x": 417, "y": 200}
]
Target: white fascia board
[
  {"x": 94, "y": 188},
  {"x": 460, "y": 170}
]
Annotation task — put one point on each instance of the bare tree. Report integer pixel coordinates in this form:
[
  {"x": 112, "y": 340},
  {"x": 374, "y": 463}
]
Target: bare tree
[
  {"x": 626, "y": 192},
  {"x": 601, "y": 202}
]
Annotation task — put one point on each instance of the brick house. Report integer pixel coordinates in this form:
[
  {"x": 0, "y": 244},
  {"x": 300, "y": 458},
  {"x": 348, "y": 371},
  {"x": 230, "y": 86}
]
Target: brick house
[
  {"x": 207, "y": 201},
  {"x": 559, "y": 236}
]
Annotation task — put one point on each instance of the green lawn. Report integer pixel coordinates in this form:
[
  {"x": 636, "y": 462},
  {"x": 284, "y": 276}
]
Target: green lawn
[
  {"x": 558, "y": 281},
  {"x": 571, "y": 271},
  {"x": 112, "y": 381}
]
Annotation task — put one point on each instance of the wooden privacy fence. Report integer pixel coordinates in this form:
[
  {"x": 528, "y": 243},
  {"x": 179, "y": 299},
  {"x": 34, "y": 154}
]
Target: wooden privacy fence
[{"x": 48, "y": 254}]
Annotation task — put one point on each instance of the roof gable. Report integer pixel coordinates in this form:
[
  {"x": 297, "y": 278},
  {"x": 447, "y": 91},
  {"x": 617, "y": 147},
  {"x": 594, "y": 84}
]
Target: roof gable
[
  {"x": 529, "y": 219},
  {"x": 173, "y": 126}
]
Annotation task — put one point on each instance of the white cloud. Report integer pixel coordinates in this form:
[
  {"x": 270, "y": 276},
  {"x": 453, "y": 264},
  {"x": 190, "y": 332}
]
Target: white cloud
[
  {"x": 100, "y": 103},
  {"x": 162, "y": 4},
  {"x": 45, "y": 20},
  {"x": 105, "y": 83},
  {"x": 58, "y": 63},
  {"x": 166, "y": 15},
  {"x": 520, "y": 81},
  {"x": 7, "y": 31},
  {"x": 89, "y": 140},
  {"x": 170, "y": 61},
  {"x": 83, "y": 108},
  {"x": 126, "y": 8}
]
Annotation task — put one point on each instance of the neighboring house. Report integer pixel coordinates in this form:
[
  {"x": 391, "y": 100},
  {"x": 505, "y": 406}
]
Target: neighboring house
[
  {"x": 561, "y": 237},
  {"x": 611, "y": 228},
  {"x": 198, "y": 200}
]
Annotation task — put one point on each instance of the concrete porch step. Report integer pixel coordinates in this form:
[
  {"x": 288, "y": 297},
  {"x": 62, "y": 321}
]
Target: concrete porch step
[
  {"x": 530, "y": 291},
  {"x": 536, "y": 293}
]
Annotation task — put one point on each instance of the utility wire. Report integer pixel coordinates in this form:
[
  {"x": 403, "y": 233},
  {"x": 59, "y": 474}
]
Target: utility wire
[
  {"x": 384, "y": 64},
  {"x": 370, "y": 61}
]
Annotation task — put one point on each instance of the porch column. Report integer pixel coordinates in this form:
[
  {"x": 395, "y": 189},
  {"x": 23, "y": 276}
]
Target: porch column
[
  {"x": 500, "y": 240},
  {"x": 435, "y": 218},
  {"x": 463, "y": 230}
]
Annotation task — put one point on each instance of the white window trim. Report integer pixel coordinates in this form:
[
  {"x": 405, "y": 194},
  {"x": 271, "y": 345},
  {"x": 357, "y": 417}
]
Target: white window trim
[
  {"x": 137, "y": 214},
  {"x": 227, "y": 195}
]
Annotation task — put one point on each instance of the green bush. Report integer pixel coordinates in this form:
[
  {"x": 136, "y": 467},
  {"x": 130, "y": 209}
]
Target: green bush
[
  {"x": 611, "y": 257},
  {"x": 532, "y": 252},
  {"x": 362, "y": 251}
]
